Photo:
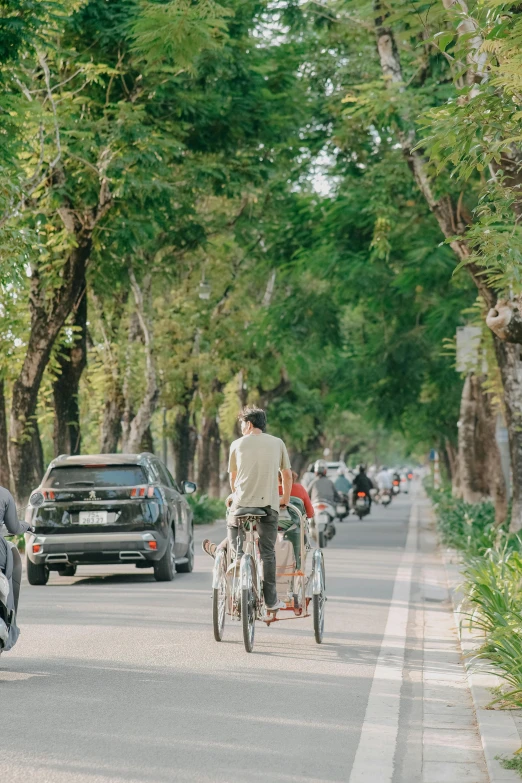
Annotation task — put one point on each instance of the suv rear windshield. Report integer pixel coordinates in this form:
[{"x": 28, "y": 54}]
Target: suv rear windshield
[{"x": 95, "y": 476}]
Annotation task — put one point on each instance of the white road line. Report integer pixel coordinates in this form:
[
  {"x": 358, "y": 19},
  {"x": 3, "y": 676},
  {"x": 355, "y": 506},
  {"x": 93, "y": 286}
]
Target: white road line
[{"x": 374, "y": 759}]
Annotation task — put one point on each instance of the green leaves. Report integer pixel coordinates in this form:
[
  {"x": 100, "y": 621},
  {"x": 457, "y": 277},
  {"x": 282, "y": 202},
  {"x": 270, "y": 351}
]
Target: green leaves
[{"x": 179, "y": 31}]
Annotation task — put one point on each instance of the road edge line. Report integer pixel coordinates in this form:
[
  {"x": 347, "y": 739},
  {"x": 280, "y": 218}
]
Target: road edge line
[{"x": 375, "y": 755}]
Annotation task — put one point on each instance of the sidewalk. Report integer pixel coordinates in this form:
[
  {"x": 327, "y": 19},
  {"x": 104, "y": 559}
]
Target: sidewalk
[
  {"x": 500, "y": 730},
  {"x": 463, "y": 739},
  {"x": 451, "y": 744}
]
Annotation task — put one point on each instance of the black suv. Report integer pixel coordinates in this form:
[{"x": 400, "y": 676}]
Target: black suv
[{"x": 108, "y": 509}]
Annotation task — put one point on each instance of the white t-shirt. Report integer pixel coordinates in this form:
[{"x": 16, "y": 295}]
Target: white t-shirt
[
  {"x": 257, "y": 460},
  {"x": 384, "y": 480}
]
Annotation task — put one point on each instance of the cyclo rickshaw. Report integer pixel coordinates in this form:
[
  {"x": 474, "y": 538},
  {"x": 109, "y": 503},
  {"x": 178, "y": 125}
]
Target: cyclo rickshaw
[{"x": 238, "y": 575}]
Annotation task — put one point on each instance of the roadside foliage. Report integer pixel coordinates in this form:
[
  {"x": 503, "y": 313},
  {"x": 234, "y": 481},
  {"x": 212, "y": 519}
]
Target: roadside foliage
[{"x": 209, "y": 204}]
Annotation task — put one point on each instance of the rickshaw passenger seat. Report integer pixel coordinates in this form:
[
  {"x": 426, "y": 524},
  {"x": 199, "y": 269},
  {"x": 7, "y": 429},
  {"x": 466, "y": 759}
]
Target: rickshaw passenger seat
[{"x": 249, "y": 512}]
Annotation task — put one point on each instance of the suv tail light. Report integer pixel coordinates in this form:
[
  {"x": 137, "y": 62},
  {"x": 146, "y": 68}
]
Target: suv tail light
[
  {"x": 142, "y": 492},
  {"x": 48, "y": 494}
]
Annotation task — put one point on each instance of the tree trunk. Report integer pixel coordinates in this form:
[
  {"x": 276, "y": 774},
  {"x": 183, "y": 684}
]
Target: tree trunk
[
  {"x": 224, "y": 483},
  {"x": 135, "y": 427},
  {"x": 454, "y": 471},
  {"x": 147, "y": 441},
  {"x": 298, "y": 460},
  {"x": 45, "y": 327},
  {"x": 114, "y": 407},
  {"x": 208, "y": 453},
  {"x": 5, "y": 479},
  {"x": 111, "y": 423},
  {"x": 182, "y": 439},
  {"x": 510, "y": 364},
  {"x": 38, "y": 466},
  {"x": 72, "y": 362},
  {"x": 479, "y": 455}
]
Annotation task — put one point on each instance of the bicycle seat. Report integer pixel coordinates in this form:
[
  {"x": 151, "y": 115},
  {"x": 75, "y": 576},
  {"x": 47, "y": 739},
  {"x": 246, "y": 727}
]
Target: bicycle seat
[{"x": 249, "y": 512}]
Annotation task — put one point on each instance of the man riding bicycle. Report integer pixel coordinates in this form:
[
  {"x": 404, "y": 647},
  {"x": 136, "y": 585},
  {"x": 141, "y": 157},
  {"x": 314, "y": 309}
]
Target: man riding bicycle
[{"x": 254, "y": 464}]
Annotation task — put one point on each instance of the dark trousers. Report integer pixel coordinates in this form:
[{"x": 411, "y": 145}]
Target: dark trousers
[
  {"x": 267, "y": 531},
  {"x": 16, "y": 575}
]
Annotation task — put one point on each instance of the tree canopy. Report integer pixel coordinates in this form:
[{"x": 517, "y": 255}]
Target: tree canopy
[{"x": 208, "y": 204}]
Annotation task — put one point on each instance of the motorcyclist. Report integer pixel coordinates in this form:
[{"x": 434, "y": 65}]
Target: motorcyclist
[
  {"x": 322, "y": 488},
  {"x": 342, "y": 482},
  {"x": 362, "y": 483},
  {"x": 10, "y": 560},
  {"x": 383, "y": 479}
]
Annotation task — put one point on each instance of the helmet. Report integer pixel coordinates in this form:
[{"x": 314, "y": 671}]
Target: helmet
[{"x": 320, "y": 467}]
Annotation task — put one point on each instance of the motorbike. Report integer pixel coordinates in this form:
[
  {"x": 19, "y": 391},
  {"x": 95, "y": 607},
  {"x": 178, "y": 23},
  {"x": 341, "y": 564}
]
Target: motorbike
[
  {"x": 8, "y": 628},
  {"x": 385, "y": 496},
  {"x": 343, "y": 506},
  {"x": 396, "y": 486},
  {"x": 324, "y": 517},
  {"x": 362, "y": 504}
]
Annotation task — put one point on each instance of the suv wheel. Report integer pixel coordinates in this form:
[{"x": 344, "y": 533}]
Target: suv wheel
[
  {"x": 186, "y": 568},
  {"x": 165, "y": 568},
  {"x": 36, "y": 574}
]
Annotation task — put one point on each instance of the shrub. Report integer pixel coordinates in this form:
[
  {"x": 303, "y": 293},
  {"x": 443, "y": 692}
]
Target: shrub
[
  {"x": 492, "y": 584},
  {"x": 465, "y": 526},
  {"x": 205, "y": 509}
]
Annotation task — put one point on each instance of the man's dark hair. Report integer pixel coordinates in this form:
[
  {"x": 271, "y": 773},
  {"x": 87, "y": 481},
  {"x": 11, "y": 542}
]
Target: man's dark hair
[{"x": 255, "y": 415}]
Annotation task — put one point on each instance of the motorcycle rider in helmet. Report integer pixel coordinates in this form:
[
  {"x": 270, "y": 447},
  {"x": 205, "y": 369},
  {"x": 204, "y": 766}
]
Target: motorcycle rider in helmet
[
  {"x": 322, "y": 488},
  {"x": 362, "y": 483}
]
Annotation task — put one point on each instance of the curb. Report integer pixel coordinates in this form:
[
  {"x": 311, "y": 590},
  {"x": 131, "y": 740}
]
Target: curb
[{"x": 497, "y": 728}]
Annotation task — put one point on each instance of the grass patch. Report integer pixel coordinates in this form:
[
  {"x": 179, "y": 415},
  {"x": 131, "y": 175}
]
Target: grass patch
[{"x": 514, "y": 763}]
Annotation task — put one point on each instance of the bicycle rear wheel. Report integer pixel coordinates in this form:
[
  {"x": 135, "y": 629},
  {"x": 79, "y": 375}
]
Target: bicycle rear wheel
[
  {"x": 248, "y": 603},
  {"x": 318, "y": 604},
  {"x": 219, "y": 603}
]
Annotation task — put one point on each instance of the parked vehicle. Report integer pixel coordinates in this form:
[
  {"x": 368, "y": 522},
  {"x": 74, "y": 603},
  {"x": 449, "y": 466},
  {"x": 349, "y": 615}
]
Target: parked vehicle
[
  {"x": 111, "y": 509},
  {"x": 324, "y": 519},
  {"x": 334, "y": 467},
  {"x": 362, "y": 504}
]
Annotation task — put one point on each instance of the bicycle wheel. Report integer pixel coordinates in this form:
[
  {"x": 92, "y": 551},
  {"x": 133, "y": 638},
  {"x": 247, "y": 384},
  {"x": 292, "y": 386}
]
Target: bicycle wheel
[
  {"x": 219, "y": 605},
  {"x": 318, "y": 602},
  {"x": 248, "y": 603}
]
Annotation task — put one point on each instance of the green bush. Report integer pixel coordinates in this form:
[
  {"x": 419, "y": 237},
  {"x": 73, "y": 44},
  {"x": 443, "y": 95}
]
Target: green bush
[
  {"x": 465, "y": 526},
  {"x": 205, "y": 509},
  {"x": 492, "y": 584}
]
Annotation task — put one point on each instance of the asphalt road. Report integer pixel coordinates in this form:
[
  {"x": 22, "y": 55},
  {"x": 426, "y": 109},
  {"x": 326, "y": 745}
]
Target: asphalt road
[{"x": 118, "y": 678}]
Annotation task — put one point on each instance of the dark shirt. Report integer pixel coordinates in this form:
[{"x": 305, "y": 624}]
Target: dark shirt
[{"x": 362, "y": 483}]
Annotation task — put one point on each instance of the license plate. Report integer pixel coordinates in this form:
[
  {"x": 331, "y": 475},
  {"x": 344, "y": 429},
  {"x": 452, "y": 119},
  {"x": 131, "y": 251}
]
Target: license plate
[
  {"x": 361, "y": 503},
  {"x": 341, "y": 509},
  {"x": 92, "y": 518}
]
